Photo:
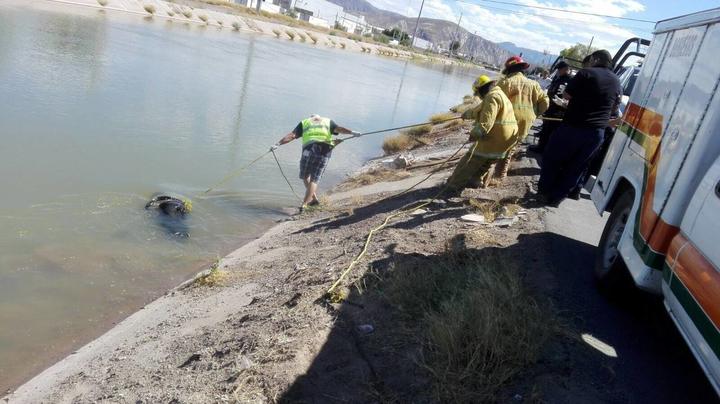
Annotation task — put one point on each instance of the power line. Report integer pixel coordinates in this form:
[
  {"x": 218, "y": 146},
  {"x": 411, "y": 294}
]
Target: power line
[
  {"x": 567, "y": 11},
  {"x": 639, "y": 29}
]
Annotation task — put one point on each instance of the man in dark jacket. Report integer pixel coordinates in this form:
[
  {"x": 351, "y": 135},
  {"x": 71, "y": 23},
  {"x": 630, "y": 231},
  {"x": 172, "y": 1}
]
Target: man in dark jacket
[
  {"x": 556, "y": 111},
  {"x": 593, "y": 95}
]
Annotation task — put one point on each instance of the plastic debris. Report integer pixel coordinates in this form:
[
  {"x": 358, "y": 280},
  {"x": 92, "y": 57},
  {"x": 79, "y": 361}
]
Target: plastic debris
[{"x": 473, "y": 218}]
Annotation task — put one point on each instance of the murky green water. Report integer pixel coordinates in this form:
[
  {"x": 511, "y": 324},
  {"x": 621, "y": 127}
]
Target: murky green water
[{"x": 100, "y": 110}]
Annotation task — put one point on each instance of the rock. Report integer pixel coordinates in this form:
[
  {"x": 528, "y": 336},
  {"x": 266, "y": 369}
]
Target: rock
[
  {"x": 418, "y": 212},
  {"x": 365, "y": 329},
  {"x": 473, "y": 218},
  {"x": 505, "y": 222},
  {"x": 403, "y": 161}
]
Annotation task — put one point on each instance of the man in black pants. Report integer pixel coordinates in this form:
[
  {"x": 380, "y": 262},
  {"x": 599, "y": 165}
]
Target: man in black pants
[
  {"x": 556, "y": 110},
  {"x": 593, "y": 95}
]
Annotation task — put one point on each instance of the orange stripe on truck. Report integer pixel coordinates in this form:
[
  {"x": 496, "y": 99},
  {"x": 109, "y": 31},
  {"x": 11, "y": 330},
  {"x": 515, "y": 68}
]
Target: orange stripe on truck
[{"x": 698, "y": 275}]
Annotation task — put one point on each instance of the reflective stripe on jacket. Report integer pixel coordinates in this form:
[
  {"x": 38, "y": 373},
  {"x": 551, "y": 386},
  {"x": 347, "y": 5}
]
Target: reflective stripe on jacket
[
  {"x": 495, "y": 130},
  {"x": 528, "y": 100},
  {"x": 316, "y": 131}
]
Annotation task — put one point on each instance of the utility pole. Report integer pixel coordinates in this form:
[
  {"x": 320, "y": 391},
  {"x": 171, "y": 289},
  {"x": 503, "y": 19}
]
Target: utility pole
[
  {"x": 417, "y": 23},
  {"x": 590, "y": 46},
  {"x": 456, "y": 37}
]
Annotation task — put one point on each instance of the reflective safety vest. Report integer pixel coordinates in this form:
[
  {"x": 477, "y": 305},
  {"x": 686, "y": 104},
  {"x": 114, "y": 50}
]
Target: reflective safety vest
[{"x": 316, "y": 131}]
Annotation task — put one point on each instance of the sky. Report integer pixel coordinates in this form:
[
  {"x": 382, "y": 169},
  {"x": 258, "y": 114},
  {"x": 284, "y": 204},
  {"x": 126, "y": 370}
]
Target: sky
[{"x": 552, "y": 31}]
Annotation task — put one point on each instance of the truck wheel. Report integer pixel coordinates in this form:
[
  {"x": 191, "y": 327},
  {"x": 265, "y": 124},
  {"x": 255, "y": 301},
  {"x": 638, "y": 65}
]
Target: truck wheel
[{"x": 610, "y": 269}]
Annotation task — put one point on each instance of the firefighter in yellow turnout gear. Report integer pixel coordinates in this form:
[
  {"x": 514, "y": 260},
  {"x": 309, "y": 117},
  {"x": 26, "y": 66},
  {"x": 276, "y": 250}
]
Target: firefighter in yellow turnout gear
[
  {"x": 528, "y": 100},
  {"x": 495, "y": 132}
]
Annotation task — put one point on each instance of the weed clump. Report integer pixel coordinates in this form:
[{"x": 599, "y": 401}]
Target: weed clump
[
  {"x": 418, "y": 130},
  {"x": 442, "y": 117},
  {"x": 342, "y": 45},
  {"x": 236, "y": 26},
  {"x": 103, "y": 2},
  {"x": 150, "y": 8},
  {"x": 214, "y": 277},
  {"x": 478, "y": 324},
  {"x": 397, "y": 143},
  {"x": 301, "y": 36},
  {"x": 277, "y": 33},
  {"x": 312, "y": 38},
  {"x": 290, "y": 34},
  {"x": 187, "y": 13},
  {"x": 203, "y": 18},
  {"x": 170, "y": 13}
]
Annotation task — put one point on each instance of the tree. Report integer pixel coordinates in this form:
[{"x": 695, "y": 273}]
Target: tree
[
  {"x": 454, "y": 46},
  {"x": 576, "y": 53}
]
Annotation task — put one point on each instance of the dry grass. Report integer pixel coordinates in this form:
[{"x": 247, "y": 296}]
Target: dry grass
[
  {"x": 214, "y": 277},
  {"x": 397, "y": 143},
  {"x": 302, "y": 37},
  {"x": 103, "y": 2},
  {"x": 150, "y": 8},
  {"x": 290, "y": 34},
  {"x": 373, "y": 176},
  {"x": 312, "y": 37},
  {"x": 277, "y": 33},
  {"x": 342, "y": 45},
  {"x": 170, "y": 13},
  {"x": 418, "y": 131},
  {"x": 442, "y": 117},
  {"x": 478, "y": 324},
  {"x": 187, "y": 13},
  {"x": 236, "y": 26},
  {"x": 203, "y": 18}
]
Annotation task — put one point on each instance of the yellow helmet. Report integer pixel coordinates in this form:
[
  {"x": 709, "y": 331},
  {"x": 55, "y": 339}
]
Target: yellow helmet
[{"x": 480, "y": 81}]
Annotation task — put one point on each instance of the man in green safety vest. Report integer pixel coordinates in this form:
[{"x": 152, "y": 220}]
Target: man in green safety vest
[{"x": 317, "y": 143}]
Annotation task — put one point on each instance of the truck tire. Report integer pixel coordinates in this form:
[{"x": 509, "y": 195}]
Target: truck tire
[{"x": 610, "y": 269}]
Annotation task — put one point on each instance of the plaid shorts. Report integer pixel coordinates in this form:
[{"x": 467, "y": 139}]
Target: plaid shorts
[{"x": 313, "y": 161}]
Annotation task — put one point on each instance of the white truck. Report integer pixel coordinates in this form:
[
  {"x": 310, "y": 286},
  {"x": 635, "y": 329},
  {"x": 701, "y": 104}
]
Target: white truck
[{"x": 660, "y": 181}]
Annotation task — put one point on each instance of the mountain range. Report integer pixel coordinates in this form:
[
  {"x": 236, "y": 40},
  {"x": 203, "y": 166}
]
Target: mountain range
[{"x": 442, "y": 33}]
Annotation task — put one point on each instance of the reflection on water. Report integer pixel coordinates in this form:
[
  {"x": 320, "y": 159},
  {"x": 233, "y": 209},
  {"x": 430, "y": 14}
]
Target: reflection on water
[{"x": 102, "y": 110}]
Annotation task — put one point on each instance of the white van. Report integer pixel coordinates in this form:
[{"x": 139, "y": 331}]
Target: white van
[{"x": 661, "y": 182}]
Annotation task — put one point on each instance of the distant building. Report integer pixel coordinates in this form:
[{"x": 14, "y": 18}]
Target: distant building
[
  {"x": 422, "y": 44},
  {"x": 313, "y": 11},
  {"x": 269, "y": 6},
  {"x": 354, "y": 24}
]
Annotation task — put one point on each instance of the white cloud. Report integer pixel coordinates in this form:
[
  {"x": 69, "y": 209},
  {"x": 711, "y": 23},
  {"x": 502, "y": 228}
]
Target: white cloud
[{"x": 535, "y": 28}]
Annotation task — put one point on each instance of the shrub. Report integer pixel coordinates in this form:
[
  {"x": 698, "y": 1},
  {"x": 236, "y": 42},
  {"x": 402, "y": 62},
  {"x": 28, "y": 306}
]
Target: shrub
[
  {"x": 149, "y": 8},
  {"x": 290, "y": 34},
  {"x": 397, "y": 143},
  {"x": 417, "y": 131},
  {"x": 277, "y": 32},
  {"x": 170, "y": 13},
  {"x": 102, "y": 2},
  {"x": 479, "y": 324},
  {"x": 236, "y": 26},
  {"x": 443, "y": 116},
  {"x": 203, "y": 18},
  {"x": 342, "y": 45},
  {"x": 302, "y": 37},
  {"x": 312, "y": 37},
  {"x": 187, "y": 13}
]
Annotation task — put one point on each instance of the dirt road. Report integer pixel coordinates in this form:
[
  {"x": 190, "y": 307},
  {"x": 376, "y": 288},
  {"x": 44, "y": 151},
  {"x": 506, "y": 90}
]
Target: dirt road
[{"x": 653, "y": 362}]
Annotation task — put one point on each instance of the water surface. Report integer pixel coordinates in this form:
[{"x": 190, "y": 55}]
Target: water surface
[{"x": 99, "y": 110}]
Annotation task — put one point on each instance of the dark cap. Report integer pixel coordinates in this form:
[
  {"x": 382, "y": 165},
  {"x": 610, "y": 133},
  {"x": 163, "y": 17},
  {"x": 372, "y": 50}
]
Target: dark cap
[
  {"x": 602, "y": 57},
  {"x": 561, "y": 65}
]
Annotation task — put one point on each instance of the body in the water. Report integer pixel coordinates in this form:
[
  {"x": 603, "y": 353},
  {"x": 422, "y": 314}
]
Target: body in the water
[{"x": 171, "y": 214}]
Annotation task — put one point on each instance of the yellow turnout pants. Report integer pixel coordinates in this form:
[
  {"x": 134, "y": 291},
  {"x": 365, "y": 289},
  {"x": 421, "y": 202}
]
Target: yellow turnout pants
[{"x": 471, "y": 171}]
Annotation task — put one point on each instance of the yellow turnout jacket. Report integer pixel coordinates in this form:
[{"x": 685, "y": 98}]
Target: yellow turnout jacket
[
  {"x": 528, "y": 100},
  {"x": 495, "y": 130}
]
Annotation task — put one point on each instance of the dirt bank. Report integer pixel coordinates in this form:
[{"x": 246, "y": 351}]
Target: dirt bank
[{"x": 442, "y": 308}]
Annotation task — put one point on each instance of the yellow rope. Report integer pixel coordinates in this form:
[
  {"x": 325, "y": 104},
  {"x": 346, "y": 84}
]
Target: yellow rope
[
  {"x": 337, "y": 297},
  {"x": 236, "y": 173}
]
